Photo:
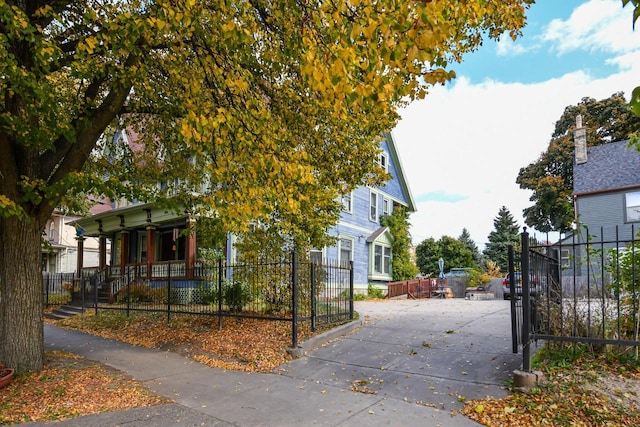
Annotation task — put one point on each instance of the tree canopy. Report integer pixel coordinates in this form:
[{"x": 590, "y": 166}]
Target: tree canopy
[
  {"x": 551, "y": 176},
  {"x": 454, "y": 253},
  {"x": 254, "y": 110}
]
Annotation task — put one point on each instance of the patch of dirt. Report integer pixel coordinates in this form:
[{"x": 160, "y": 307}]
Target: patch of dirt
[{"x": 622, "y": 391}]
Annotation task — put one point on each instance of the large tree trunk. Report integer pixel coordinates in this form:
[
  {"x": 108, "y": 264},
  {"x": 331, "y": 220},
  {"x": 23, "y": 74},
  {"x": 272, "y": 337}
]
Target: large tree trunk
[{"x": 21, "y": 296}]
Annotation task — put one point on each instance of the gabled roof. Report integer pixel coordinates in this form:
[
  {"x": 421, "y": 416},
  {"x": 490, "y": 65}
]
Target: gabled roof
[
  {"x": 609, "y": 167},
  {"x": 376, "y": 234},
  {"x": 411, "y": 204}
]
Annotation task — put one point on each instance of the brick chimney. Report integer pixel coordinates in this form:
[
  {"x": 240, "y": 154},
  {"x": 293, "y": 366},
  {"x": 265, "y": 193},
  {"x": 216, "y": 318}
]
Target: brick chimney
[{"x": 580, "y": 141}]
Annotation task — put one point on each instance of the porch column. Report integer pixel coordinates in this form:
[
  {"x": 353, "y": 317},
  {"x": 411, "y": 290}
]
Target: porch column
[
  {"x": 80, "y": 262},
  {"x": 80, "y": 257},
  {"x": 190, "y": 249},
  {"x": 151, "y": 249},
  {"x": 124, "y": 250},
  {"x": 102, "y": 252}
]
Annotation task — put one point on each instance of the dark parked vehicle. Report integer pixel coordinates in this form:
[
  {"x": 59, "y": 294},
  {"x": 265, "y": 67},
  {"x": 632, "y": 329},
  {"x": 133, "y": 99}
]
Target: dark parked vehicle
[{"x": 533, "y": 283}]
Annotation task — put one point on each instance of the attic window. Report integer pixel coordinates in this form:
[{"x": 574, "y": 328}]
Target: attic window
[
  {"x": 632, "y": 206},
  {"x": 383, "y": 161}
]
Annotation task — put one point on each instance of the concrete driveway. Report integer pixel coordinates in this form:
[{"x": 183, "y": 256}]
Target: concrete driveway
[{"x": 435, "y": 352}]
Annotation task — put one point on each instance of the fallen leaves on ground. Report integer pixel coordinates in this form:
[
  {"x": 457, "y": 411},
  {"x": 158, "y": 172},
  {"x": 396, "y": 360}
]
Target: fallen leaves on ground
[
  {"x": 584, "y": 394},
  {"x": 70, "y": 386},
  {"x": 252, "y": 345}
]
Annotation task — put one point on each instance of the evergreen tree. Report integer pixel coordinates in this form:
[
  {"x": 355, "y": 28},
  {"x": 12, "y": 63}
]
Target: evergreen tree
[
  {"x": 465, "y": 237},
  {"x": 403, "y": 267},
  {"x": 505, "y": 233}
]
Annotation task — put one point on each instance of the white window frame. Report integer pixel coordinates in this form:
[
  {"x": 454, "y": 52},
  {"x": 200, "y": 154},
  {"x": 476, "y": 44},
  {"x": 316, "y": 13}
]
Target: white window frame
[
  {"x": 313, "y": 253},
  {"x": 386, "y": 206},
  {"x": 347, "y": 202},
  {"x": 632, "y": 206},
  {"x": 373, "y": 206},
  {"x": 383, "y": 161},
  {"x": 565, "y": 259},
  {"x": 341, "y": 259},
  {"x": 382, "y": 261}
]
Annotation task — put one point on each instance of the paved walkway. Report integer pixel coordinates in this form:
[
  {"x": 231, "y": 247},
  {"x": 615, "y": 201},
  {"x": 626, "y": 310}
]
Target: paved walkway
[{"x": 315, "y": 389}]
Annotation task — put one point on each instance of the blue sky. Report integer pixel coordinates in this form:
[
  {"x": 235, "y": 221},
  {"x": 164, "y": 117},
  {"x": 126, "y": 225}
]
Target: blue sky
[{"x": 469, "y": 139}]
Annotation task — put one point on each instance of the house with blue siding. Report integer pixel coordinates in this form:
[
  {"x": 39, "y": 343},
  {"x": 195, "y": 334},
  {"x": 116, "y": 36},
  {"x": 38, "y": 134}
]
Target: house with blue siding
[
  {"x": 145, "y": 234},
  {"x": 361, "y": 237}
]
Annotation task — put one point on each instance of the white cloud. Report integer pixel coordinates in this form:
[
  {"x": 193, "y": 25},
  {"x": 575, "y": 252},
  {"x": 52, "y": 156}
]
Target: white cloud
[
  {"x": 507, "y": 47},
  {"x": 473, "y": 139},
  {"x": 597, "y": 25}
]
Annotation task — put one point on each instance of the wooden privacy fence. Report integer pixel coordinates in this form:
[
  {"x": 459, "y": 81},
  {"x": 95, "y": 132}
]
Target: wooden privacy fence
[{"x": 416, "y": 288}]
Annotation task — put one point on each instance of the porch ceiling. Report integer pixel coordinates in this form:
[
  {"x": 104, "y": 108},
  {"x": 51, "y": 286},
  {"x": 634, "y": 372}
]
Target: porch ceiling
[{"x": 127, "y": 218}]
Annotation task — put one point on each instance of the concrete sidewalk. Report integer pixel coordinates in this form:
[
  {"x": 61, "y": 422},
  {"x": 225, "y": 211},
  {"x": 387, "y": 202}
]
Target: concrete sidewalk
[{"x": 207, "y": 396}]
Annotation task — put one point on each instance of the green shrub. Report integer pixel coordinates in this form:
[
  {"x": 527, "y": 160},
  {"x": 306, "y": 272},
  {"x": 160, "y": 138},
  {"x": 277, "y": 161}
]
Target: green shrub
[
  {"x": 136, "y": 291},
  {"x": 208, "y": 293},
  {"x": 235, "y": 294},
  {"x": 374, "y": 292},
  {"x": 278, "y": 296}
]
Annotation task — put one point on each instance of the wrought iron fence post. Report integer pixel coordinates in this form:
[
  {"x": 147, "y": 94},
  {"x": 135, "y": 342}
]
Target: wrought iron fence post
[
  {"x": 169, "y": 293},
  {"x": 219, "y": 294},
  {"x": 294, "y": 297},
  {"x": 512, "y": 301},
  {"x": 313, "y": 296},
  {"x": 99, "y": 279},
  {"x": 350, "y": 290},
  {"x": 46, "y": 289},
  {"x": 127, "y": 278},
  {"x": 526, "y": 303}
]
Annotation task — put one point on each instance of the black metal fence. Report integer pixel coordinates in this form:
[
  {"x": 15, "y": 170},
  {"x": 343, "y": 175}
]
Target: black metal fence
[
  {"x": 303, "y": 293},
  {"x": 583, "y": 289},
  {"x": 57, "y": 288}
]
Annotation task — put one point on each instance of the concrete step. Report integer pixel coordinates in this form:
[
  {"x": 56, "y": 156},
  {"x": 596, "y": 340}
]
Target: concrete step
[{"x": 64, "y": 312}]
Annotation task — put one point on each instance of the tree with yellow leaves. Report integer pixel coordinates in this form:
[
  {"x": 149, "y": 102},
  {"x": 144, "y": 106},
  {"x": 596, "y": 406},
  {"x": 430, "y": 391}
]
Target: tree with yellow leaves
[{"x": 272, "y": 107}]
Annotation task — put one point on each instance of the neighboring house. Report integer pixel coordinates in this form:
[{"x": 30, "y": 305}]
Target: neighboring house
[
  {"x": 60, "y": 251},
  {"x": 145, "y": 235},
  {"x": 606, "y": 194},
  {"x": 361, "y": 238},
  {"x": 606, "y": 190}
]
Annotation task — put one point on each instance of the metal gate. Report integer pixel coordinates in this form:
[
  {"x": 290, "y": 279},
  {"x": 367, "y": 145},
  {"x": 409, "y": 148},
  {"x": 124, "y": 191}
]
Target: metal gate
[{"x": 585, "y": 288}]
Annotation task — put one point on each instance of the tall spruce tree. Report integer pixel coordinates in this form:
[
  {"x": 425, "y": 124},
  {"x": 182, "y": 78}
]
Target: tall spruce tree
[
  {"x": 465, "y": 237},
  {"x": 505, "y": 233}
]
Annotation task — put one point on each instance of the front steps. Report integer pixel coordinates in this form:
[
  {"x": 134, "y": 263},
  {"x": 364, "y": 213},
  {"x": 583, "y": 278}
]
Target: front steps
[{"x": 64, "y": 312}]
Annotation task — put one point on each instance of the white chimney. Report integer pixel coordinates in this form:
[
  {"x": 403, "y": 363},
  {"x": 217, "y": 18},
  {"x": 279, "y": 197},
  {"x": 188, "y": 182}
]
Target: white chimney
[{"x": 580, "y": 141}]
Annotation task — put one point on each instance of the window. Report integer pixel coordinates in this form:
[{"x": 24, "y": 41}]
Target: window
[
  {"x": 382, "y": 259},
  {"x": 373, "y": 207},
  {"x": 315, "y": 256},
  {"x": 565, "y": 260},
  {"x": 386, "y": 206},
  {"x": 632, "y": 206},
  {"x": 346, "y": 250},
  {"x": 346, "y": 203},
  {"x": 383, "y": 161}
]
